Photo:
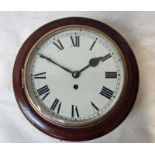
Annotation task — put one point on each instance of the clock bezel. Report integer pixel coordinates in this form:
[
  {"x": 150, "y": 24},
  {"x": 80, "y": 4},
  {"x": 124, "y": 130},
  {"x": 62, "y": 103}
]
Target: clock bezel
[
  {"x": 33, "y": 101},
  {"x": 104, "y": 125}
]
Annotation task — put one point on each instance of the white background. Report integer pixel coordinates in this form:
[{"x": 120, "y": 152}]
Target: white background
[{"x": 138, "y": 28}]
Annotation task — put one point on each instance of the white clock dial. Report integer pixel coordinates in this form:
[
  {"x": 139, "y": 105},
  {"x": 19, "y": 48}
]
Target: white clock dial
[{"x": 77, "y": 75}]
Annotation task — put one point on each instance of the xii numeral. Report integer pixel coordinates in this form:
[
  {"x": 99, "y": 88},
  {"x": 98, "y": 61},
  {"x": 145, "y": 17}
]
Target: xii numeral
[
  {"x": 58, "y": 44},
  {"x": 75, "y": 112},
  {"x": 106, "y": 92},
  {"x": 75, "y": 41},
  {"x": 43, "y": 91},
  {"x": 56, "y": 106}
]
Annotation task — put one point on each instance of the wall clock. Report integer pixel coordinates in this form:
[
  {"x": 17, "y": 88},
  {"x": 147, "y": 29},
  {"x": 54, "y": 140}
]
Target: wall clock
[{"x": 75, "y": 79}]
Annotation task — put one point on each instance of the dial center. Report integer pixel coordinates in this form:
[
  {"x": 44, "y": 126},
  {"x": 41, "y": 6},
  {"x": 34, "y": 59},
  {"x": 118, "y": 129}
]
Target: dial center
[{"x": 75, "y": 74}]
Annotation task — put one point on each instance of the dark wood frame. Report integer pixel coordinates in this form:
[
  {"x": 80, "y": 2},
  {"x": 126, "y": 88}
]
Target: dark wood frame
[{"x": 104, "y": 126}]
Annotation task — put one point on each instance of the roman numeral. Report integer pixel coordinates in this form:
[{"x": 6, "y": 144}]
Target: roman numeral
[
  {"x": 106, "y": 92},
  {"x": 110, "y": 74},
  {"x": 56, "y": 105},
  {"x": 40, "y": 75},
  {"x": 43, "y": 91},
  {"x": 94, "y": 106},
  {"x": 74, "y": 111},
  {"x": 75, "y": 41},
  {"x": 58, "y": 44},
  {"x": 93, "y": 45},
  {"x": 106, "y": 57}
]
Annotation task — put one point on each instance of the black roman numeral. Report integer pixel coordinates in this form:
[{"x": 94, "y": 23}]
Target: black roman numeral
[
  {"x": 58, "y": 44},
  {"x": 40, "y": 75},
  {"x": 75, "y": 41},
  {"x": 110, "y": 74},
  {"x": 43, "y": 91},
  {"x": 56, "y": 105},
  {"x": 74, "y": 111},
  {"x": 106, "y": 92},
  {"x": 93, "y": 45},
  {"x": 94, "y": 106}
]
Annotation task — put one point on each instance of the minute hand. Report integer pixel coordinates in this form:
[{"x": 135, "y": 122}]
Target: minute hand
[{"x": 50, "y": 60}]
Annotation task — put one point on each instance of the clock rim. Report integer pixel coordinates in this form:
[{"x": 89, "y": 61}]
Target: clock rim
[
  {"x": 105, "y": 125},
  {"x": 32, "y": 101}
]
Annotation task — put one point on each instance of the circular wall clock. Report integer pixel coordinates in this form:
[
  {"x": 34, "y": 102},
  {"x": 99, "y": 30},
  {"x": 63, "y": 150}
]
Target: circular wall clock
[{"x": 75, "y": 79}]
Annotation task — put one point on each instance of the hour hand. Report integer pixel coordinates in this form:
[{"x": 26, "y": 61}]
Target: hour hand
[
  {"x": 92, "y": 63},
  {"x": 95, "y": 61},
  {"x": 52, "y": 61}
]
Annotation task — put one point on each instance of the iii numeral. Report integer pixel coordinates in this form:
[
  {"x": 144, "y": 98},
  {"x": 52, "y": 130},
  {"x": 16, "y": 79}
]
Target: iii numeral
[
  {"x": 40, "y": 75},
  {"x": 110, "y": 74},
  {"x": 43, "y": 91},
  {"x": 74, "y": 111},
  {"x": 58, "y": 44},
  {"x": 75, "y": 41},
  {"x": 106, "y": 92},
  {"x": 56, "y": 106}
]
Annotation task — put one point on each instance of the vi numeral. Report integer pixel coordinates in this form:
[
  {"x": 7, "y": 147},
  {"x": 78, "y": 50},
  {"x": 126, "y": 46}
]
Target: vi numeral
[{"x": 74, "y": 112}]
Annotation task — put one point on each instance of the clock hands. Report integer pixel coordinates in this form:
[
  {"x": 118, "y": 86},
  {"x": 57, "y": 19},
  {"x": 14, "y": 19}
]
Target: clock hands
[
  {"x": 52, "y": 61},
  {"x": 94, "y": 62}
]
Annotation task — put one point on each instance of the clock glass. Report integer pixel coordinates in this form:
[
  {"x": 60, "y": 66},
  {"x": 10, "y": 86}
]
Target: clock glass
[{"x": 74, "y": 76}]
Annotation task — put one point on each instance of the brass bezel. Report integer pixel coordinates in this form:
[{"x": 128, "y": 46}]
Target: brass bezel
[{"x": 67, "y": 122}]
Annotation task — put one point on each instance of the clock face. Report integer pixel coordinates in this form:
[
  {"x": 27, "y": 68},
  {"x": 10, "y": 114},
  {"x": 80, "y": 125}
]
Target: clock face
[
  {"x": 75, "y": 79},
  {"x": 74, "y": 76}
]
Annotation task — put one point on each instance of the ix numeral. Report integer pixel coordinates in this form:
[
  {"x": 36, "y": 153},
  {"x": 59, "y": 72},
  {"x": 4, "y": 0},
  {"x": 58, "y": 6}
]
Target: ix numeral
[
  {"x": 58, "y": 44},
  {"x": 110, "y": 74},
  {"x": 43, "y": 91},
  {"x": 106, "y": 92},
  {"x": 75, "y": 41},
  {"x": 56, "y": 106},
  {"x": 40, "y": 75},
  {"x": 74, "y": 111}
]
